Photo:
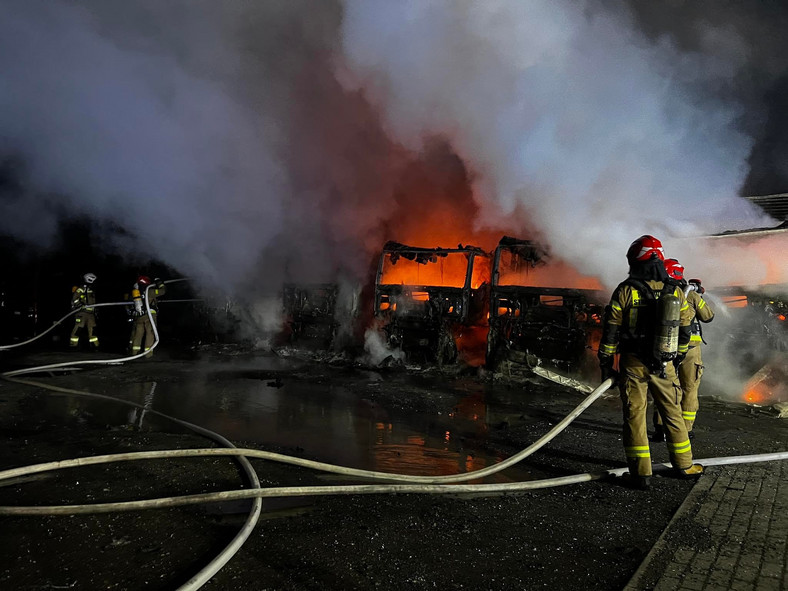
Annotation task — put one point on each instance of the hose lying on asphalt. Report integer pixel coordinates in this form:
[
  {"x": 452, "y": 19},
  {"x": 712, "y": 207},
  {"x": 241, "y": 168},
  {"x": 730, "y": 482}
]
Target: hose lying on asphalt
[
  {"x": 218, "y": 562},
  {"x": 232, "y": 548},
  {"x": 258, "y": 493},
  {"x": 254, "y": 453},
  {"x": 230, "y": 495}
]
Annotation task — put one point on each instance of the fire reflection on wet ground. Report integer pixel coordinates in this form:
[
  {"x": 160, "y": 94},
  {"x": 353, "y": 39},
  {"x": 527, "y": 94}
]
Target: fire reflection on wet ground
[{"x": 334, "y": 419}]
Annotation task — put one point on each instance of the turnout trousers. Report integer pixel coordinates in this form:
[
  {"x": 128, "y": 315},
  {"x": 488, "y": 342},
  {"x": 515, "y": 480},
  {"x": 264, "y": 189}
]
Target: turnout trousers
[
  {"x": 690, "y": 372},
  {"x": 86, "y": 320},
  {"x": 637, "y": 382},
  {"x": 142, "y": 328}
]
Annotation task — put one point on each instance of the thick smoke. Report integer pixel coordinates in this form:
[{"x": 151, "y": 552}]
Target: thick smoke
[
  {"x": 564, "y": 109},
  {"x": 117, "y": 127},
  {"x": 215, "y": 135},
  {"x": 250, "y": 143}
]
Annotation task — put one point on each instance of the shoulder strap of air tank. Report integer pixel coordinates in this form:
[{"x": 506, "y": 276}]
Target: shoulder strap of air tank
[{"x": 641, "y": 286}]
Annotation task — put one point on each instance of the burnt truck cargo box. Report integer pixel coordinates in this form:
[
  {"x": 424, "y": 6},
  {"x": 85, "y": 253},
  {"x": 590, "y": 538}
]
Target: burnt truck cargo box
[
  {"x": 535, "y": 317},
  {"x": 429, "y": 299},
  {"x": 320, "y": 315},
  {"x": 310, "y": 312}
]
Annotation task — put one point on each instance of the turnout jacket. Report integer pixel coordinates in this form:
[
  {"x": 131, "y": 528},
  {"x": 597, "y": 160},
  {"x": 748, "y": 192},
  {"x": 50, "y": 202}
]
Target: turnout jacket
[
  {"x": 631, "y": 319},
  {"x": 702, "y": 312},
  {"x": 82, "y": 295},
  {"x": 138, "y": 297}
]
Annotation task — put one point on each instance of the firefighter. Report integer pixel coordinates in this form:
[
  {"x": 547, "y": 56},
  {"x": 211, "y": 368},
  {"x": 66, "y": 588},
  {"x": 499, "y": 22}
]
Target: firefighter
[
  {"x": 691, "y": 368},
  {"x": 142, "y": 326},
  {"x": 82, "y": 298},
  {"x": 648, "y": 323}
]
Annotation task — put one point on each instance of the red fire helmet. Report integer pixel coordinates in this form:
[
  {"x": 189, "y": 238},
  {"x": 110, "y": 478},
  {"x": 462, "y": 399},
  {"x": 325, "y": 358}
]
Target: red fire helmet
[
  {"x": 675, "y": 269},
  {"x": 645, "y": 248},
  {"x": 143, "y": 280}
]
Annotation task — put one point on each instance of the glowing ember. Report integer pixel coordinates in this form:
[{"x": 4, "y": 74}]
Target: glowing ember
[{"x": 769, "y": 384}]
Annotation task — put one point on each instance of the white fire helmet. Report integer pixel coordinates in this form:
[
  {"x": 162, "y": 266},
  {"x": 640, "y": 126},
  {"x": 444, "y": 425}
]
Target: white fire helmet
[{"x": 89, "y": 278}]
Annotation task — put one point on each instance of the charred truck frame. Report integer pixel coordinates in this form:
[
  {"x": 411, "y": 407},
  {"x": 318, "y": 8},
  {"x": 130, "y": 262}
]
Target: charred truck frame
[
  {"x": 428, "y": 298},
  {"x": 310, "y": 312},
  {"x": 531, "y": 320}
]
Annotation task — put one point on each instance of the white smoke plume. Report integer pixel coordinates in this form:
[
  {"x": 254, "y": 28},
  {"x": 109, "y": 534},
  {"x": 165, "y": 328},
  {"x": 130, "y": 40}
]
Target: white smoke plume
[
  {"x": 563, "y": 110},
  {"x": 117, "y": 127},
  {"x": 377, "y": 350}
]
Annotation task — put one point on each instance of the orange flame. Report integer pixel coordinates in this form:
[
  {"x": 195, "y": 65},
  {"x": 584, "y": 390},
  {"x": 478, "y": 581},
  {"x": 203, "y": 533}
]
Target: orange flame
[
  {"x": 446, "y": 271},
  {"x": 554, "y": 274},
  {"x": 769, "y": 384}
]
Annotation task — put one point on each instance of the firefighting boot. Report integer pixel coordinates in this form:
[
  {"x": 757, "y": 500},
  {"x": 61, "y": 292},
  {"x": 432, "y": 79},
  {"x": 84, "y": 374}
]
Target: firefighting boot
[
  {"x": 692, "y": 472},
  {"x": 635, "y": 481}
]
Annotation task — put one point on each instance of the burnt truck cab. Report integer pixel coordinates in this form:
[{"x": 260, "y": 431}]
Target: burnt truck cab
[
  {"x": 534, "y": 316},
  {"x": 429, "y": 299}
]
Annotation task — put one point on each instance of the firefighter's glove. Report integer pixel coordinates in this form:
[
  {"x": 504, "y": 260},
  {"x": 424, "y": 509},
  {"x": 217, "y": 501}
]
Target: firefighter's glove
[
  {"x": 606, "y": 368},
  {"x": 695, "y": 283},
  {"x": 678, "y": 359}
]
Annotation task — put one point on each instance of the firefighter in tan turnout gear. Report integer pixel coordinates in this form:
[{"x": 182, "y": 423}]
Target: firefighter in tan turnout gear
[
  {"x": 648, "y": 324},
  {"x": 82, "y": 298},
  {"x": 691, "y": 368},
  {"x": 142, "y": 327}
]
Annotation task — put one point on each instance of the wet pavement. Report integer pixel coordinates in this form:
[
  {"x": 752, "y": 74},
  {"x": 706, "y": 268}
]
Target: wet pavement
[
  {"x": 331, "y": 417},
  {"x": 594, "y": 535}
]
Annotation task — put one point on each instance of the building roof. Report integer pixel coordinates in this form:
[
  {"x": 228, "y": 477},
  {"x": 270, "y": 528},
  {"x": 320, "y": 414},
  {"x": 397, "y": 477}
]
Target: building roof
[{"x": 774, "y": 205}]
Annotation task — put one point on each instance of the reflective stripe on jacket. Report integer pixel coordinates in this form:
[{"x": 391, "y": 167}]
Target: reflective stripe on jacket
[{"x": 630, "y": 320}]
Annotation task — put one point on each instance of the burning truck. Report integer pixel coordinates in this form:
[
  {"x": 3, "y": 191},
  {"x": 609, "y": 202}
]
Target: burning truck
[
  {"x": 541, "y": 310},
  {"x": 753, "y": 328},
  {"x": 433, "y": 302}
]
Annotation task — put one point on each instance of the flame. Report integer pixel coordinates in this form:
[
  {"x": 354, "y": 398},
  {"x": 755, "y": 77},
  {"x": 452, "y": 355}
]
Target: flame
[
  {"x": 757, "y": 394},
  {"x": 769, "y": 384},
  {"x": 448, "y": 271},
  {"x": 556, "y": 274},
  {"x": 471, "y": 344}
]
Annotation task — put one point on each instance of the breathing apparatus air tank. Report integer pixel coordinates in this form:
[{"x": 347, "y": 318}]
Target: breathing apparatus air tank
[{"x": 666, "y": 335}]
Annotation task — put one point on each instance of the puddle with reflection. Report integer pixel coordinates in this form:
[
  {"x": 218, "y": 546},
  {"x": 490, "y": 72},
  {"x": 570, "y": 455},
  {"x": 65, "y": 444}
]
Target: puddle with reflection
[{"x": 328, "y": 419}]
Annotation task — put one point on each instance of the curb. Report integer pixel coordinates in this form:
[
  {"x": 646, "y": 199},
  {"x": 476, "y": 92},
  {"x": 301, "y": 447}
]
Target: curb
[{"x": 660, "y": 547}]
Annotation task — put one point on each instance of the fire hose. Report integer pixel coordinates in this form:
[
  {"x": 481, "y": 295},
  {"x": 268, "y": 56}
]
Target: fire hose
[
  {"x": 205, "y": 574},
  {"x": 242, "y": 456},
  {"x": 72, "y": 364},
  {"x": 419, "y": 484},
  {"x": 234, "y": 495}
]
